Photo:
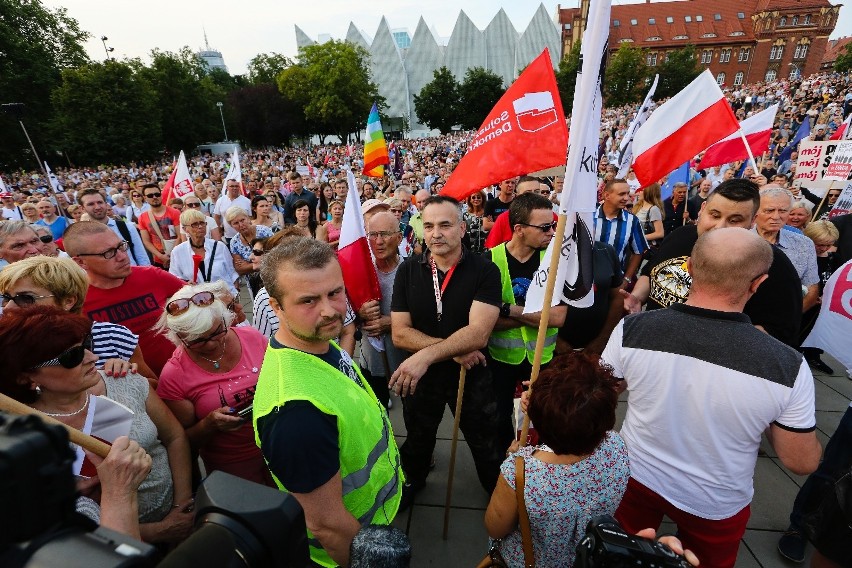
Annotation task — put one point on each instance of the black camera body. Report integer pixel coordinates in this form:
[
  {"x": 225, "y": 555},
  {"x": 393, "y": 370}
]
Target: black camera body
[{"x": 607, "y": 545}]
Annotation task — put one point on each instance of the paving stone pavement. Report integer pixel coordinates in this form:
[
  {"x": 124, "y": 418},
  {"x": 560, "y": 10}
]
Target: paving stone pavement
[{"x": 775, "y": 490}]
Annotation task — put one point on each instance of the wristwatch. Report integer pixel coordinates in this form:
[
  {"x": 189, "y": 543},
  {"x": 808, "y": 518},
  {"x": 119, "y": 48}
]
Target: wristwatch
[{"x": 505, "y": 310}]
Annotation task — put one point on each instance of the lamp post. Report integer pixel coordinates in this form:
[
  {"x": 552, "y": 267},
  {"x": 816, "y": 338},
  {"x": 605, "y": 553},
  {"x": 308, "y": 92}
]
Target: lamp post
[
  {"x": 219, "y": 104},
  {"x": 108, "y": 50},
  {"x": 17, "y": 111}
]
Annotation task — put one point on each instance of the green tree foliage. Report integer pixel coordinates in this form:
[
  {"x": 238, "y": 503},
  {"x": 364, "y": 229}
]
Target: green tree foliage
[
  {"x": 336, "y": 87},
  {"x": 265, "y": 67},
  {"x": 36, "y": 44},
  {"x": 106, "y": 114},
  {"x": 438, "y": 101},
  {"x": 677, "y": 71},
  {"x": 566, "y": 77},
  {"x": 478, "y": 93},
  {"x": 843, "y": 62},
  {"x": 625, "y": 76},
  {"x": 263, "y": 116},
  {"x": 186, "y": 99}
]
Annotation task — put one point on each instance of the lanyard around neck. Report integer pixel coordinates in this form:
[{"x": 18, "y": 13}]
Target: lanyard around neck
[{"x": 439, "y": 289}]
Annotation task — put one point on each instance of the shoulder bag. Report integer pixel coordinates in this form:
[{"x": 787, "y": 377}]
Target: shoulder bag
[{"x": 494, "y": 558}]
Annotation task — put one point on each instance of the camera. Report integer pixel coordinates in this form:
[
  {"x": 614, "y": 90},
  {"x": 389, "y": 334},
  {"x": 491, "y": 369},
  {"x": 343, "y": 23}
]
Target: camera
[
  {"x": 238, "y": 523},
  {"x": 607, "y": 545}
]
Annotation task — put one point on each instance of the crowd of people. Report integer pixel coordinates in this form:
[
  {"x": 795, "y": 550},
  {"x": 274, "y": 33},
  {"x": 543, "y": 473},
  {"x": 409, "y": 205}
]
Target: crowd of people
[{"x": 109, "y": 291}]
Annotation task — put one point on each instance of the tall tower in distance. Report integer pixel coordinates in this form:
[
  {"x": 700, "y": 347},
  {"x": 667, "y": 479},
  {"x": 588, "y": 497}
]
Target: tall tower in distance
[{"x": 212, "y": 57}]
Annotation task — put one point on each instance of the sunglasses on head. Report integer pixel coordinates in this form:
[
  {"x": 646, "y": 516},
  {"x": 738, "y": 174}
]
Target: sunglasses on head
[
  {"x": 179, "y": 306},
  {"x": 72, "y": 356},
  {"x": 23, "y": 300}
]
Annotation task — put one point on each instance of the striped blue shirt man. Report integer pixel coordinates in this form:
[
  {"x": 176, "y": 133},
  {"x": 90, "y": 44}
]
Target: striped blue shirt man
[{"x": 616, "y": 226}]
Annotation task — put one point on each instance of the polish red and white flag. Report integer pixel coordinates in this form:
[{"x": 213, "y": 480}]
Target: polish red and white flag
[
  {"x": 683, "y": 126},
  {"x": 179, "y": 183},
  {"x": 353, "y": 252},
  {"x": 844, "y": 131},
  {"x": 757, "y": 130}
]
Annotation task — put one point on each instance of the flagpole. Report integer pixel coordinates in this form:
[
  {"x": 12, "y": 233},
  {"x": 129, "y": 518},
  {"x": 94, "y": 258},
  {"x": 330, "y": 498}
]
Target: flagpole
[
  {"x": 822, "y": 201},
  {"x": 545, "y": 313},
  {"x": 748, "y": 149},
  {"x": 459, "y": 397}
]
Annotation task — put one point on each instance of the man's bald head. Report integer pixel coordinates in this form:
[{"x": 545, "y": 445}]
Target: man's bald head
[{"x": 725, "y": 262}]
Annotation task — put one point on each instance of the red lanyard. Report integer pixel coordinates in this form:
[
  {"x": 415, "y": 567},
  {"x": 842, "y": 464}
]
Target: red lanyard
[{"x": 439, "y": 290}]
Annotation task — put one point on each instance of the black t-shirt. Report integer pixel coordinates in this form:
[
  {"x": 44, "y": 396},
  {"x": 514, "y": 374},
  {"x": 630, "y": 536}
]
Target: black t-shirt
[
  {"x": 844, "y": 243},
  {"x": 674, "y": 215},
  {"x": 776, "y": 306},
  {"x": 493, "y": 208},
  {"x": 474, "y": 279},
  {"x": 520, "y": 273},
  {"x": 298, "y": 440},
  {"x": 583, "y": 324}
]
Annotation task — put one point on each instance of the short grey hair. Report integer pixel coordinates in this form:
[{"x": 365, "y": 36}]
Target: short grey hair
[
  {"x": 303, "y": 253},
  {"x": 803, "y": 205},
  {"x": 10, "y": 228},
  {"x": 196, "y": 321},
  {"x": 235, "y": 211},
  {"x": 776, "y": 191}
]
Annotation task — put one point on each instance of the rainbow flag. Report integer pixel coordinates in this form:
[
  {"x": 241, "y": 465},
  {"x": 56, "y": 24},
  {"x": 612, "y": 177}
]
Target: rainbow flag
[{"x": 375, "y": 149}]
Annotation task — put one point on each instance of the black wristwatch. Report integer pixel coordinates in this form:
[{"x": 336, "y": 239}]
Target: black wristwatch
[{"x": 505, "y": 310}]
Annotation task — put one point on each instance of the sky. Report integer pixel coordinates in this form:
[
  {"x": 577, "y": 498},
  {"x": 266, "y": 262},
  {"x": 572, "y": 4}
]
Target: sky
[{"x": 241, "y": 30}]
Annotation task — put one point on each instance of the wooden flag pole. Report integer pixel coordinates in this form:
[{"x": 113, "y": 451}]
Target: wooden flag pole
[
  {"x": 87, "y": 442},
  {"x": 459, "y": 396},
  {"x": 545, "y": 312},
  {"x": 822, "y": 201}
]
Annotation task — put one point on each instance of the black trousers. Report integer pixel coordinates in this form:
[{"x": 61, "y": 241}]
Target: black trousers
[
  {"x": 506, "y": 378},
  {"x": 378, "y": 384},
  {"x": 424, "y": 410}
]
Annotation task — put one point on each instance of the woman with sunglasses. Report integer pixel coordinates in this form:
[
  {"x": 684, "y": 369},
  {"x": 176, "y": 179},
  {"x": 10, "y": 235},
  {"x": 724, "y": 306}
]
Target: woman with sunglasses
[
  {"x": 59, "y": 282},
  {"x": 473, "y": 218},
  {"x": 136, "y": 207},
  {"x": 215, "y": 264},
  {"x": 48, "y": 365},
  {"x": 48, "y": 247},
  {"x": 210, "y": 380}
]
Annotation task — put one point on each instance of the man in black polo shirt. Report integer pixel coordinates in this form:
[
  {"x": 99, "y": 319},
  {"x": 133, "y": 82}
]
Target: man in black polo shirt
[
  {"x": 445, "y": 304},
  {"x": 776, "y": 307}
]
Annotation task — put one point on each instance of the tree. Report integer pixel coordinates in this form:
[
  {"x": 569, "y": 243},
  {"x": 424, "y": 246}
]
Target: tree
[
  {"x": 677, "y": 71},
  {"x": 263, "y": 117},
  {"x": 335, "y": 82},
  {"x": 478, "y": 93},
  {"x": 265, "y": 67},
  {"x": 186, "y": 103},
  {"x": 36, "y": 44},
  {"x": 843, "y": 62},
  {"x": 625, "y": 76},
  {"x": 566, "y": 77},
  {"x": 438, "y": 101},
  {"x": 106, "y": 113}
]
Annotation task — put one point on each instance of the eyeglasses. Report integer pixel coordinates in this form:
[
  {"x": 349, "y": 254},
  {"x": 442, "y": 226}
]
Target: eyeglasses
[
  {"x": 179, "y": 306},
  {"x": 376, "y": 235},
  {"x": 396, "y": 210},
  {"x": 135, "y": 195},
  {"x": 108, "y": 253},
  {"x": 197, "y": 225},
  {"x": 46, "y": 238},
  {"x": 23, "y": 300},
  {"x": 257, "y": 252},
  {"x": 206, "y": 338},
  {"x": 542, "y": 228},
  {"x": 193, "y": 205},
  {"x": 153, "y": 195},
  {"x": 71, "y": 357}
]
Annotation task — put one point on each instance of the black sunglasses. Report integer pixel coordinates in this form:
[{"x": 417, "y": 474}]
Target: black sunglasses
[
  {"x": 46, "y": 238},
  {"x": 153, "y": 195},
  {"x": 205, "y": 339},
  {"x": 257, "y": 252},
  {"x": 542, "y": 228},
  {"x": 71, "y": 357},
  {"x": 193, "y": 205},
  {"x": 23, "y": 300}
]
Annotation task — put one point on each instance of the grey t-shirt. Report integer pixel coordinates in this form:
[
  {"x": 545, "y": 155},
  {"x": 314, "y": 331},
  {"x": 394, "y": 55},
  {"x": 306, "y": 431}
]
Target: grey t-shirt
[{"x": 370, "y": 358}]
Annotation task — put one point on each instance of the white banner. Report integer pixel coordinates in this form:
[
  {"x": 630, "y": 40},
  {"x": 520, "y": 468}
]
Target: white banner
[{"x": 833, "y": 327}]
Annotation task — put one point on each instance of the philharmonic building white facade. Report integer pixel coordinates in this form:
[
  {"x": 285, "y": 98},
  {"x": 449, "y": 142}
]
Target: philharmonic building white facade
[{"x": 402, "y": 65}]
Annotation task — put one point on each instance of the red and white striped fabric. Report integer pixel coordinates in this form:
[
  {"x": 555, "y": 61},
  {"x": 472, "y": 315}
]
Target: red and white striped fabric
[
  {"x": 180, "y": 182},
  {"x": 353, "y": 252},
  {"x": 757, "y": 130},
  {"x": 686, "y": 124},
  {"x": 843, "y": 132}
]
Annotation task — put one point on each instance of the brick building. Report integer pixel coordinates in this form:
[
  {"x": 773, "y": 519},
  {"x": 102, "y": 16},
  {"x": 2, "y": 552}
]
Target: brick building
[{"x": 740, "y": 41}]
